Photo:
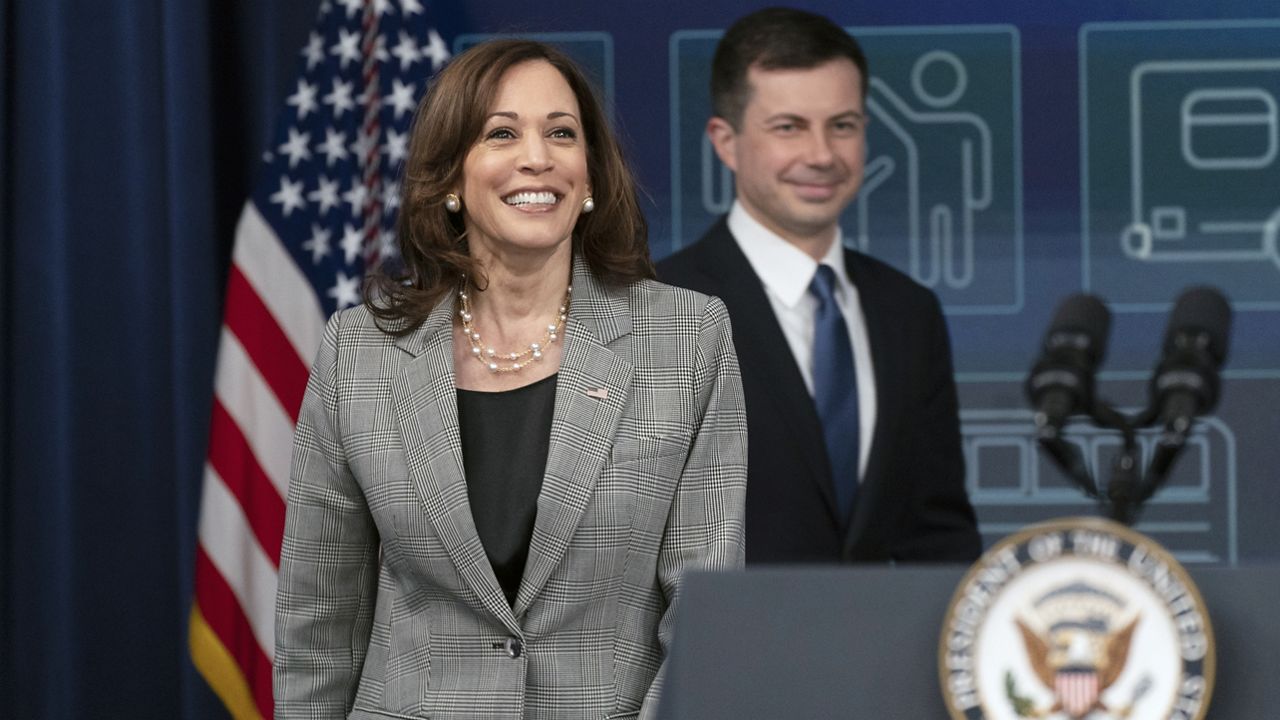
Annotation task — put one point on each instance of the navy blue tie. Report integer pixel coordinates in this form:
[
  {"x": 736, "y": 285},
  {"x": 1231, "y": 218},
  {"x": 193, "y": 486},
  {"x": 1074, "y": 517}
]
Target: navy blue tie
[{"x": 835, "y": 388}]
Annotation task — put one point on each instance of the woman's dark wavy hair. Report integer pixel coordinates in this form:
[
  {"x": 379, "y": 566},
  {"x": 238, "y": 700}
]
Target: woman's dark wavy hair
[{"x": 613, "y": 240}]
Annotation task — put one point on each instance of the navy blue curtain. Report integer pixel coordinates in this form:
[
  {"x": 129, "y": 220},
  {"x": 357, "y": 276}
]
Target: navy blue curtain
[{"x": 129, "y": 131}]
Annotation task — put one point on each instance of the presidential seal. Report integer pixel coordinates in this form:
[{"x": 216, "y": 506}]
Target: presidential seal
[{"x": 1077, "y": 619}]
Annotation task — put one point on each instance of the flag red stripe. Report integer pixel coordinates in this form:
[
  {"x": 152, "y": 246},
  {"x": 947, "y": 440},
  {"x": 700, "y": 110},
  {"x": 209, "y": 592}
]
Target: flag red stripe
[
  {"x": 266, "y": 344},
  {"x": 222, "y": 612},
  {"x": 234, "y": 461},
  {"x": 271, "y": 335}
]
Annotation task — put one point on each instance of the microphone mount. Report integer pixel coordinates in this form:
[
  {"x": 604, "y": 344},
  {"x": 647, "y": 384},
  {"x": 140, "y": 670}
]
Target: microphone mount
[{"x": 1185, "y": 385}]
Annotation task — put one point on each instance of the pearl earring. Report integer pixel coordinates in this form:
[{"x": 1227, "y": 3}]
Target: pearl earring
[
  {"x": 588, "y": 204},
  {"x": 452, "y": 203}
]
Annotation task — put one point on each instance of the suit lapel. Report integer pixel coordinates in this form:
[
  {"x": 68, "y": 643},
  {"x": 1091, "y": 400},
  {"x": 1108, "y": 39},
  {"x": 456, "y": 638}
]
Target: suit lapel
[
  {"x": 880, "y": 336},
  {"x": 766, "y": 357},
  {"x": 591, "y": 392},
  {"x": 426, "y": 405}
]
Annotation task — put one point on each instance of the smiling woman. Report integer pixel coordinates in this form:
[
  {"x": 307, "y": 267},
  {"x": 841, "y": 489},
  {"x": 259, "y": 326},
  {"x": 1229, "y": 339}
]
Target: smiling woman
[
  {"x": 523, "y": 188},
  {"x": 465, "y": 116},
  {"x": 510, "y": 454},
  {"x": 526, "y": 179}
]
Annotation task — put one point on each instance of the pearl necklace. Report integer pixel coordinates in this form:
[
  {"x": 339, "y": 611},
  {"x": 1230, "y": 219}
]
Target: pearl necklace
[{"x": 489, "y": 357}]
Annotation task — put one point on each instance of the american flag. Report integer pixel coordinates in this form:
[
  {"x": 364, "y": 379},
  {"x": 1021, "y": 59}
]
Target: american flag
[{"x": 323, "y": 210}]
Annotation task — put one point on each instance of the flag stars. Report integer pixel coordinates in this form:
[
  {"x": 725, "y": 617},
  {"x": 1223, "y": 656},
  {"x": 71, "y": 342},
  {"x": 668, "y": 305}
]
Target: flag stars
[
  {"x": 379, "y": 53},
  {"x": 289, "y": 196},
  {"x": 340, "y": 98},
  {"x": 410, "y": 7},
  {"x": 356, "y": 197},
  {"x": 325, "y": 195},
  {"x": 318, "y": 245},
  {"x": 347, "y": 219},
  {"x": 401, "y": 97},
  {"x": 352, "y": 6},
  {"x": 406, "y": 51},
  {"x": 396, "y": 147},
  {"x": 391, "y": 196},
  {"x": 296, "y": 147},
  {"x": 387, "y": 244},
  {"x": 304, "y": 99},
  {"x": 364, "y": 144},
  {"x": 352, "y": 243},
  {"x": 314, "y": 51},
  {"x": 347, "y": 48},
  {"x": 436, "y": 50},
  {"x": 334, "y": 147},
  {"x": 345, "y": 291}
]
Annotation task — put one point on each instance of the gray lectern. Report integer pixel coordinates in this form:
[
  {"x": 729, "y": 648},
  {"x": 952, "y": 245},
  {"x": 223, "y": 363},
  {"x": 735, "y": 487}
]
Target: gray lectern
[{"x": 863, "y": 643}]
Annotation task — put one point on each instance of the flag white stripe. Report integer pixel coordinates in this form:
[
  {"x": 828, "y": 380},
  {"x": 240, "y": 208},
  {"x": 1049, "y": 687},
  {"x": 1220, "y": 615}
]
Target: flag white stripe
[
  {"x": 298, "y": 259},
  {"x": 279, "y": 282},
  {"x": 229, "y": 542},
  {"x": 255, "y": 409}
]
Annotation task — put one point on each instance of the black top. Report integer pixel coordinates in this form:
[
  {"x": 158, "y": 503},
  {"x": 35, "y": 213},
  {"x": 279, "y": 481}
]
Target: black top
[{"x": 505, "y": 438}]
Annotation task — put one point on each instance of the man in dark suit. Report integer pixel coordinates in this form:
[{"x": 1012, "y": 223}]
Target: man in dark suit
[{"x": 854, "y": 438}]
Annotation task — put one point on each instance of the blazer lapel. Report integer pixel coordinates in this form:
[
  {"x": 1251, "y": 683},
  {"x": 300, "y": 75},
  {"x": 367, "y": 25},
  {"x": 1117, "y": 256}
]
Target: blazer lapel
[
  {"x": 591, "y": 392},
  {"x": 426, "y": 405},
  {"x": 763, "y": 348}
]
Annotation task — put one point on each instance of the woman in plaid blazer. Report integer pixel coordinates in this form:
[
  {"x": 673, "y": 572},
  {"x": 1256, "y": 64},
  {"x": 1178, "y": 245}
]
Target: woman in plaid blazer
[{"x": 525, "y": 262}]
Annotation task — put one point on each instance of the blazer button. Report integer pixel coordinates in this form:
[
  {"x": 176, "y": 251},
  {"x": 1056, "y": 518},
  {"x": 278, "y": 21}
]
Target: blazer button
[{"x": 513, "y": 646}]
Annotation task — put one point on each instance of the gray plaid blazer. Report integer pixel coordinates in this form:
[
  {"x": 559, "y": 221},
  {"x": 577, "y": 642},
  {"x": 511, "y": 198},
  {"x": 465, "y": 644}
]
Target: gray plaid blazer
[{"x": 387, "y": 606}]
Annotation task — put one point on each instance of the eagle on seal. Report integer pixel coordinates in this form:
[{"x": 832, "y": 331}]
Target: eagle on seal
[{"x": 1078, "y": 661}]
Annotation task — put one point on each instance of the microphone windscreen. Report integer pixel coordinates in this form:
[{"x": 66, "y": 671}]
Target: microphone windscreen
[
  {"x": 1201, "y": 310},
  {"x": 1082, "y": 322}
]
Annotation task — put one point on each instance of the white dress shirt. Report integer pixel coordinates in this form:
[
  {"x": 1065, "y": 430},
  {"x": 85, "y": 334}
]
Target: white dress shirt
[{"x": 786, "y": 272}]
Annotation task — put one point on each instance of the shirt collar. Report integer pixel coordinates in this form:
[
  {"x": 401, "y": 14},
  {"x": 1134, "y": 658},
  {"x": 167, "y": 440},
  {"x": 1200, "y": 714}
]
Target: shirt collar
[{"x": 783, "y": 268}]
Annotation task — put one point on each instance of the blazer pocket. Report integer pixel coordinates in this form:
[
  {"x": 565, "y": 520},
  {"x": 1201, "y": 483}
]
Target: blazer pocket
[
  {"x": 645, "y": 469},
  {"x": 623, "y": 715},
  {"x": 364, "y": 713},
  {"x": 632, "y": 449},
  {"x": 638, "y": 469}
]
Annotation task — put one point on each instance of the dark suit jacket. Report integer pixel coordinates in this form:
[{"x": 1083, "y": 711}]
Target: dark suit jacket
[{"x": 912, "y": 504}]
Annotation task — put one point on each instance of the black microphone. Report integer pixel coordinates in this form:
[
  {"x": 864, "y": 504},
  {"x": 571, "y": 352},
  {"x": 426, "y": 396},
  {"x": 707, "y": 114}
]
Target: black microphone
[
  {"x": 1186, "y": 381},
  {"x": 1061, "y": 382}
]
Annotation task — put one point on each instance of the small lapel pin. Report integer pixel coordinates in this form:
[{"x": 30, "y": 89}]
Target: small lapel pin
[{"x": 601, "y": 393}]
